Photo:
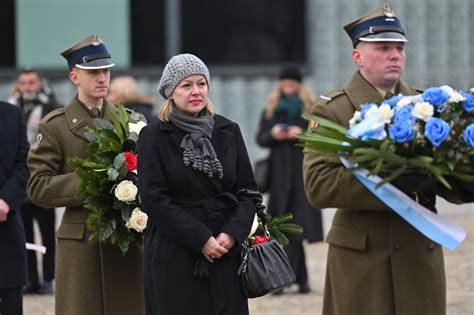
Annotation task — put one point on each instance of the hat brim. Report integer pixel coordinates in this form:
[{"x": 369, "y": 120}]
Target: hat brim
[
  {"x": 384, "y": 37},
  {"x": 102, "y": 63}
]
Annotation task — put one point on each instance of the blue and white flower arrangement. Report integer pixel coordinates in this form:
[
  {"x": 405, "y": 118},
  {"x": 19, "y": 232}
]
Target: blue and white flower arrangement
[{"x": 430, "y": 133}]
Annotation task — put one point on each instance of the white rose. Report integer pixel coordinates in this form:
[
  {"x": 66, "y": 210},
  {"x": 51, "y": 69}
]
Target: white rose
[
  {"x": 355, "y": 119},
  {"x": 385, "y": 113},
  {"x": 404, "y": 101},
  {"x": 137, "y": 220},
  {"x": 373, "y": 110},
  {"x": 254, "y": 225},
  {"x": 423, "y": 111},
  {"x": 126, "y": 191},
  {"x": 447, "y": 89},
  {"x": 136, "y": 127},
  {"x": 456, "y": 97}
]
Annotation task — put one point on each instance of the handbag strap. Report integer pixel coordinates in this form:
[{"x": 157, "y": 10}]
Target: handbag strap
[{"x": 257, "y": 198}]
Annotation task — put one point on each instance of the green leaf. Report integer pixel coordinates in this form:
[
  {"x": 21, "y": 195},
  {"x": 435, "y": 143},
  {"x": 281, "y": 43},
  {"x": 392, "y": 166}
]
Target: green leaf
[
  {"x": 126, "y": 213},
  {"x": 290, "y": 228},
  {"x": 280, "y": 237},
  {"x": 327, "y": 123},
  {"x": 112, "y": 173},
  {"x": 91, "y": 136},
  {"x": 106, "y": 229},
  {"x": 119, "y": 161},
  {"x": 103, "y": 124},
  {"x": 322, "y": 143},
  {"x": 136, "y": 117}
]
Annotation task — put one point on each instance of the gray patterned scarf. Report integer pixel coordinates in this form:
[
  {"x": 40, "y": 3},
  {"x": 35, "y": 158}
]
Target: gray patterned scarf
[{"x": 196, "y": 145}]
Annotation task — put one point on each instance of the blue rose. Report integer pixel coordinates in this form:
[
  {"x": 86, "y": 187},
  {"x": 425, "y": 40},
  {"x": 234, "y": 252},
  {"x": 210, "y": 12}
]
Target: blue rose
[
  {"x": 401, "y": 131},
  {"x": 364, "y": 108},
  {"x": 393, "y": 100},
  {"x": 468, "y": 104},
  {"x": 435, "y": 96},
  {"x": 437, "y": 130},
  {"x": 469, "y": 135},
  {"x": 404, "y": 114}
]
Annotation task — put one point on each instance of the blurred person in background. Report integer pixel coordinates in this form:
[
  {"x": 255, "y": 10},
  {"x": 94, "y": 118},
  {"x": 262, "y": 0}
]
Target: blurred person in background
[
  {"x": 36, "y": 99},
  {"x": 13, "y": 177},
  {"x": 124, "y": 89},
  {"x": 280, "y": 123}
]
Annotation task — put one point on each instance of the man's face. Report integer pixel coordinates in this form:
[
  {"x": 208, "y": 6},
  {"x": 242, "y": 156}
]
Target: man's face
[
  {"x": 381, "y": 63},
  {"x": 29, "y": 82},
  {"x": 91, "y": 84}
]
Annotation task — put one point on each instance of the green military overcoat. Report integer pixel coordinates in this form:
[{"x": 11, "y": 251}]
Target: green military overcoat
[
  {"x": 91, "y": 278},
  {"x": 377, "y": 263}
]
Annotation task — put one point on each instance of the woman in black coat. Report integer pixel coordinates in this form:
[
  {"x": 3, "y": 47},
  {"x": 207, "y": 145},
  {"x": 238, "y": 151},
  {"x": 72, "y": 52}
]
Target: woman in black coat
[
  {"x": 192, "y": 164},
  {"x": 280, "y": 123}
]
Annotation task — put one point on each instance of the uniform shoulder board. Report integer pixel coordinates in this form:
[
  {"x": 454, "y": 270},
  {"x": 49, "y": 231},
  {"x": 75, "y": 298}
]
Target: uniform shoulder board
[
  {"x": 55, "y": 113},
  {"x": 329, "y": 96}
]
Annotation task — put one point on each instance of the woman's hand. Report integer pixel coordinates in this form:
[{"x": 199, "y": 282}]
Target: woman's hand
[
  {"x": 226, "y": 240},
  {"x": 294, "y": 131},
  {"x": 279, "y": 133},
  {"x": 212, "y": 249},
  {"x": 288, "y": 133}
]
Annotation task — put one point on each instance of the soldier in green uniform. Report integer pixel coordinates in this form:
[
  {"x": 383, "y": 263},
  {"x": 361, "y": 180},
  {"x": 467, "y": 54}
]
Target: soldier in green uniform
[
  {"x": 377, "y": 263},
  {"x": 91, "y": 278}
]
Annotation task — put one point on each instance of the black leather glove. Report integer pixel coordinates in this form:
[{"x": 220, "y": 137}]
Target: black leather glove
[
  {"x": 419, "y": 187},
  {"x": 464, "y": 189},
  {"x": 411, "y": 183}
]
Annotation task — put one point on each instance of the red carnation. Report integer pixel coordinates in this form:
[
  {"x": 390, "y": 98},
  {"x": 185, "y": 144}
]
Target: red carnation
[
  {"x": 259, "y": 239},
  {"x": 131, "y": 161}
]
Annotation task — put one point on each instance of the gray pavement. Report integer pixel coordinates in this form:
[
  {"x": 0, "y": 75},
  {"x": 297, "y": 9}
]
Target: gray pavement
[{"x": 459, "y": 274}]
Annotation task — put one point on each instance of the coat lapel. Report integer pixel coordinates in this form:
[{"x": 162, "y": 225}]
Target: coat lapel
[
  {"x": 360, "y": 91},
  {"x": 220, "y": 139},
  {"x": 77, "y": 118}
]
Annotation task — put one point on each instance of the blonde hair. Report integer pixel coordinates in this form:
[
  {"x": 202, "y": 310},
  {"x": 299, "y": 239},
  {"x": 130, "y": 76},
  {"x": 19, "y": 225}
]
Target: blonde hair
[
  {"x": 304, "y": 92},
  {"x": 124, "y": 89},
  {"x": 167, "y": 106}
]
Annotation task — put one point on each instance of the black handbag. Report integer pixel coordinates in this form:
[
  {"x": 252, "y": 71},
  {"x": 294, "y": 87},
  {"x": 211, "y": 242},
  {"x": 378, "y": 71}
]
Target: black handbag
[
  {"x": 262, "y": 175},
  {"x": 265, "y": 267}
]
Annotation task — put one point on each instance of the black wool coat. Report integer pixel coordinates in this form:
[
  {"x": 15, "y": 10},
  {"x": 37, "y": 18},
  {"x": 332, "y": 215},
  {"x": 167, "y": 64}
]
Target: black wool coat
[
  {"x": 286, "y": 182},
  {"x": 13, "y": 177},
  {"x": 185, "y": 207}
]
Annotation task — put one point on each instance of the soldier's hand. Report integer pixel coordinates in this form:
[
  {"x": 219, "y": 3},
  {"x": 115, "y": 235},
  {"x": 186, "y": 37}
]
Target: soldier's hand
[{"x": 411, "y": 183}]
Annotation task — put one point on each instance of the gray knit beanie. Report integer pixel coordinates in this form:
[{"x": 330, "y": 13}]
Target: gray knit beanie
[{"x": 178, "y": 68}]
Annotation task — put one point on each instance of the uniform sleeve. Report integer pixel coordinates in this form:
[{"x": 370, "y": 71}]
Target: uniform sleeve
[
  {"x": 173, "y": 221},
  {"x": 13, "y": 190},
  {"x": 47, "y": 186},
  {"x": 240, "y": 221},
  {"x": 333, "y": 186}
]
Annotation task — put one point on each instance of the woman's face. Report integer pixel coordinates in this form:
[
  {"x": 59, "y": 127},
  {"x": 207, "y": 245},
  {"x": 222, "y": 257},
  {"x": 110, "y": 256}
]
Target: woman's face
[
  {"x": 190, "y": 95},
  {"x": 289, "y": 87}
]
